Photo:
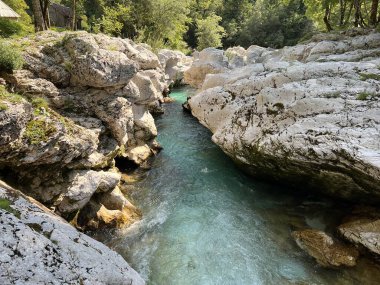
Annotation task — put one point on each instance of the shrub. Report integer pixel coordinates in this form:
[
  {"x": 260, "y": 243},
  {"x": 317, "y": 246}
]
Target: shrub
[
  {"x": 9, "y": 28},
  {"x": 363, "y": 96},
  {"x": 10, "y": 58}
]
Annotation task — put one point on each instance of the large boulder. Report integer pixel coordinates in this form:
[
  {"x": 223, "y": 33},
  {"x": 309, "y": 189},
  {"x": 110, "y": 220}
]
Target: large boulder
[
  {"x": 209, "y": 61},
  {"x": 295, "y": 118},
  {"x": 175, "y": 64},
  {"x": 39, "y": 247}
]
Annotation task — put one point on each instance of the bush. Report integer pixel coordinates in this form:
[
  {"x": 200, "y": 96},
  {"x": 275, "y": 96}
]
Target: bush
[
  {"x": 10, "y": 58},
  {"x": 9, "y": 28}
]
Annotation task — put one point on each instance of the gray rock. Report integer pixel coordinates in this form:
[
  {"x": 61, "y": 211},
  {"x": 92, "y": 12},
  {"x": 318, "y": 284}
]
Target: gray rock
[
  {"x": 302, "y": 122},
  {"x": 39, "y": 247}
]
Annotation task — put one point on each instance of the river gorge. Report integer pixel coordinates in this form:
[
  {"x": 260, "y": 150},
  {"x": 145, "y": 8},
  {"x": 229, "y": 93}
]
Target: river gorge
[{"x": 206, "y": 222}]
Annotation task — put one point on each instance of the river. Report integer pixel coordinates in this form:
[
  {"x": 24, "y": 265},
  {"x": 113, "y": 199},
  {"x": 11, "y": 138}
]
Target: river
[{"x": 206, "y": 222}]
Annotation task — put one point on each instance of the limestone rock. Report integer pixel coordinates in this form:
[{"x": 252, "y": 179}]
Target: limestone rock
[
  {"x": 39, "y": 247},
  {"x": 294, "y": 119},
  {"x": 95, "y": 93},
  {"x": 83, "y": 184},
  {"x": 327, "y": 251},
  {"x": 210, "y": 61},
  {"x": 363, "y": 228},
  {"x": 175, "y": 64}
]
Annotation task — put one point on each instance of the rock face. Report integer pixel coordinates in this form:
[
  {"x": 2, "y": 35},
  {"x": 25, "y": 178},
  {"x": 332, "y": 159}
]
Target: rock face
[
  {"x": 175, "y": 64},
  {"x": 307, "y": 115},
  {"x": 86, "y": 100},
  {"x": 327, "y": 251},
  {"x": 208, "y": 61},
  {"x": 363, "y": 228},
  {"x": 39, "y": 247}
]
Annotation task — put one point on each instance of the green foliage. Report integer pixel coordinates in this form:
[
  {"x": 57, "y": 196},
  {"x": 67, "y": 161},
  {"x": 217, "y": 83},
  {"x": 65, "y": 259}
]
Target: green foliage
[
  {"x": 10, "y": 58},
  {"x": 276, "y": 24},
  {"x": 39, "y": 130},
  {"x": 113, "y": 19},
  {"x": 165, "y": 24},
  {"x": 9, "y": 97},
  {"x": 23, "y": 26},
  {"x": 6, "y": 206},
  {"x": 209, "y": 33},
  {"x": 3, "y": 107},
  {"x": 9, "y": 28},
  {"x": 366, "y": 76},
  {"x": 363, "y": 96}
]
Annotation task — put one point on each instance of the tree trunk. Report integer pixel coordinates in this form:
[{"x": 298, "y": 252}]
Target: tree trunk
[
  {"x": 74, "y": 23},
  {"x": 373, "y": 15},
  {"x": 326, "y": 18},
  {"x": 39, "y": 23},
  {"x": 357, "y": 5},
  {"x": 343, "y": 7}
]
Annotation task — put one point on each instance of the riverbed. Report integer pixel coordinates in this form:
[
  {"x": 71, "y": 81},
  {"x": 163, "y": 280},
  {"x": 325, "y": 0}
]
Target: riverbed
[{"x": 206, "y": 222}]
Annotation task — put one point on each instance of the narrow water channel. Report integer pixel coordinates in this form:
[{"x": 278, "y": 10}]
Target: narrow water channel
[{"x": 205, "y": 222}]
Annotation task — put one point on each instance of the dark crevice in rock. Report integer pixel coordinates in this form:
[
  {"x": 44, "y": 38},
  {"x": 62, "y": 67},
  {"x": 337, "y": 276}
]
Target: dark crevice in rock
[{"x": 125, "y": 164}]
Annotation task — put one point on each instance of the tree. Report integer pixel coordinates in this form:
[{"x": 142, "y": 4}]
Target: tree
[
  {"x": 275, "y": 24},
  {"x": 41, "y": 14},
  {"x": 209, "y": 33}
]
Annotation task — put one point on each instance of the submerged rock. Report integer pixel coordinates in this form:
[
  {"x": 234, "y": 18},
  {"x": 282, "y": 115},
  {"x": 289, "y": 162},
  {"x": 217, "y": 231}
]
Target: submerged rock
[
  {"x": 39, "y": 247},
  {"x": 327, "y": 251},
  {"x": 306, "y": 115}
]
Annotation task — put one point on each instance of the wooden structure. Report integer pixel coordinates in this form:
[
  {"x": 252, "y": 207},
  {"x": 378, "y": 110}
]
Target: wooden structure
[{"x": 7, "y": 12}]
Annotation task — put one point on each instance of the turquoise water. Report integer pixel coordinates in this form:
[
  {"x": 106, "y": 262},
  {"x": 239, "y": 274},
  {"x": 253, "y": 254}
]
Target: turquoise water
[{"x": 205, "y": 222}]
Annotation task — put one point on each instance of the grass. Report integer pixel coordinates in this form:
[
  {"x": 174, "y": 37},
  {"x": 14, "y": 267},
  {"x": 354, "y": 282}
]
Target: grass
[
  {"x": 39, "y": 130},
  {"x": 363, "y": 96},
  {"x": 39, "y": 104},
  {"x": 10, "y": 97},
  {"x": 366, "y": 76},
  {"x": 10, "y": 58},
  {"x": 6, "y": 206},
  {"x": 3, "y": 107}
]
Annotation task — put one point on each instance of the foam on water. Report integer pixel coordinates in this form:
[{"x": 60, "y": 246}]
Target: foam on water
[{"x": 205, "y": 222}]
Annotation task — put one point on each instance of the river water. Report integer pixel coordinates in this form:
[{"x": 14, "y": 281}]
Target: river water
[{"x": 205, "y": 222}]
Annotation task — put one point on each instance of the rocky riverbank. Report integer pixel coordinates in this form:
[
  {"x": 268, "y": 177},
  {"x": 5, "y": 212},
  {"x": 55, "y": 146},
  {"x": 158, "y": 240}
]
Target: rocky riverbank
[
  {"x": 72, "y": 121},
  {"x": 307, "y": 116}
]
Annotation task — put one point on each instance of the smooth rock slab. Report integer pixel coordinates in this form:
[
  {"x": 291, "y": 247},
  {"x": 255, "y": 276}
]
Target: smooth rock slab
[{"x": 39, "y": 247}]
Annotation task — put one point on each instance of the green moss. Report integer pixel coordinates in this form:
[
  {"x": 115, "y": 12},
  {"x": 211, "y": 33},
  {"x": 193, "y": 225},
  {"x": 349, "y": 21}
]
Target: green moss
[
  {"x": 68, "y": 66},
  {"x": 3, "y": 107},
  {"x": 39, "y": 130},
  {"x": 366, "y": 76},
  {"x": 39, "y": 104},
  {"x": 6, "y": 206},
  {"x": 363, "y": 96}
]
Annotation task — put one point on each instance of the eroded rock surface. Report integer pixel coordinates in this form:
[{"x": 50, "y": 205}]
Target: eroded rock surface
[
  {"x": 307, "y": 115},
  {"x": 363, "y": 228},
  {"x": 39, "y": 247},
  {"x": 86, "y": 100},
  {"x": 175, "y": 64}
]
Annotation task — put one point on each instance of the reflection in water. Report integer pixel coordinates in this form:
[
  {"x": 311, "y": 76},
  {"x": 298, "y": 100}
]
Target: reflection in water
[{"x": 205, "y": 222}]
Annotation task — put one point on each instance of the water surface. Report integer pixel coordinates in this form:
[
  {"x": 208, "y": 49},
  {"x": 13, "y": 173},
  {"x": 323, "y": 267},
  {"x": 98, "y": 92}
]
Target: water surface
[{"x": 205, "y": 222}]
